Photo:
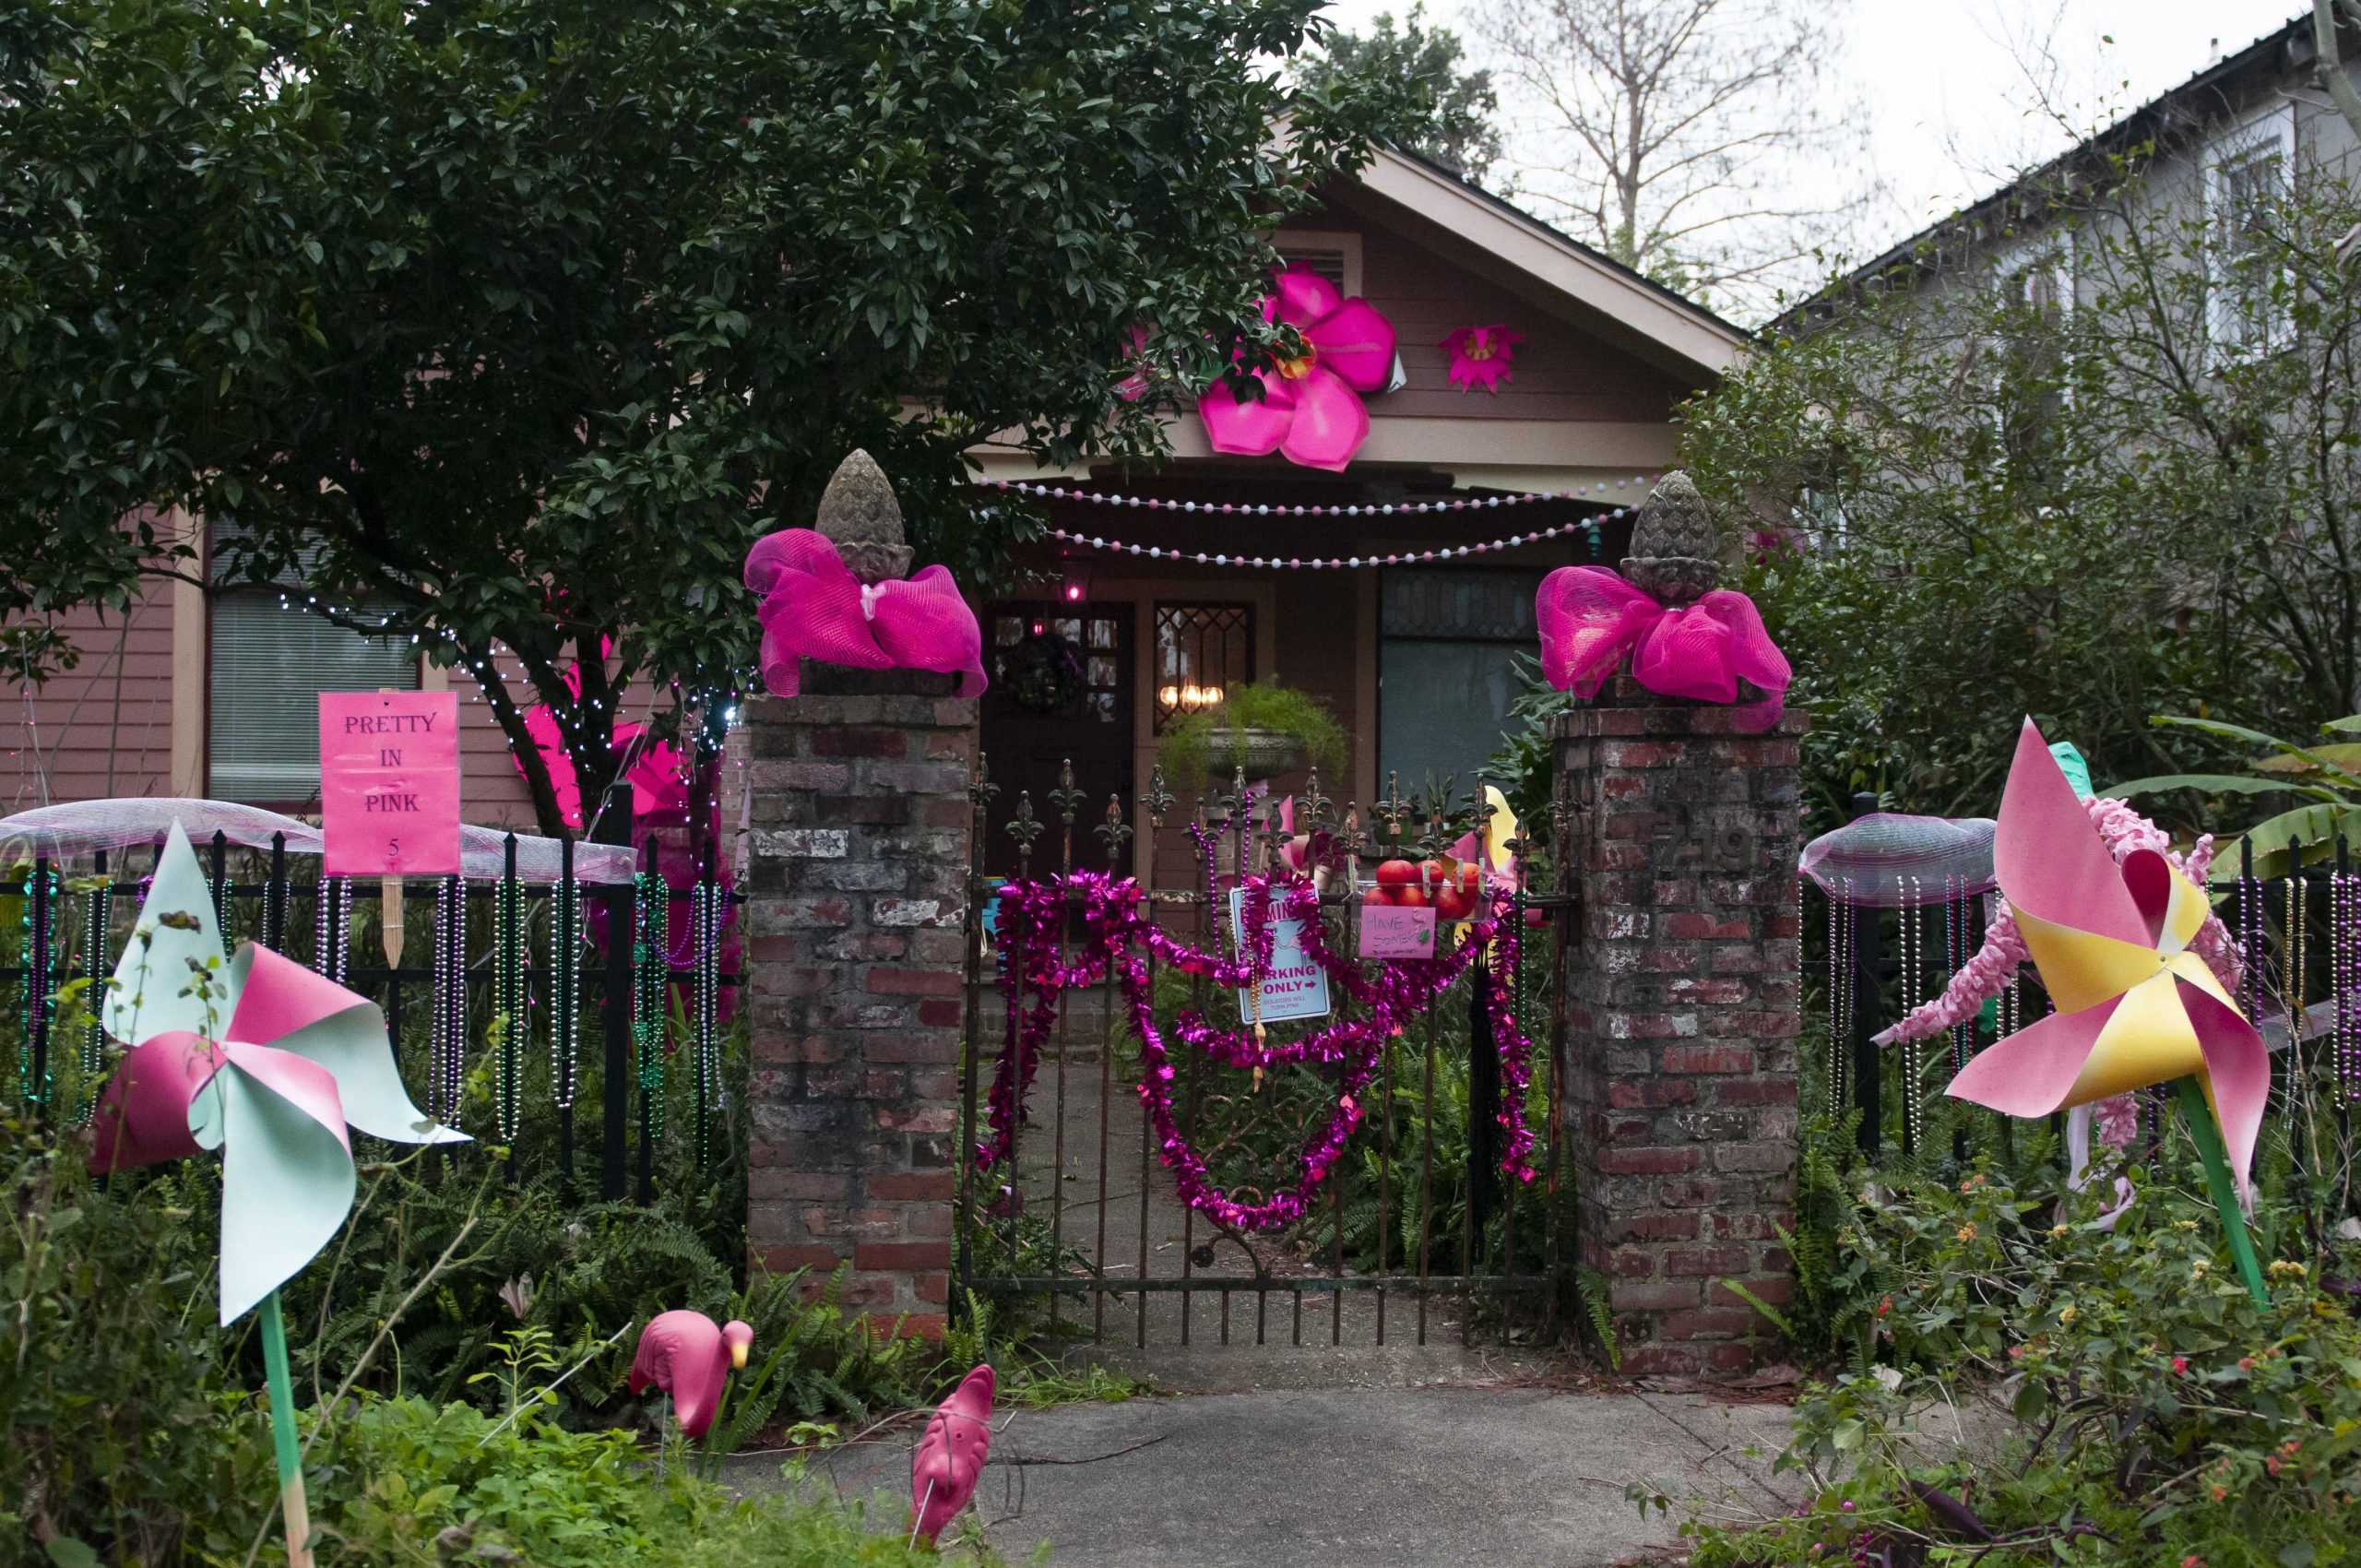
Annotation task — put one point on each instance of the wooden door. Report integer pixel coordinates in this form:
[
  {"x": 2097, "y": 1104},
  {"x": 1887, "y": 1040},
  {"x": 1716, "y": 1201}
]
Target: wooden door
[{"x": 1060, "y": 691}]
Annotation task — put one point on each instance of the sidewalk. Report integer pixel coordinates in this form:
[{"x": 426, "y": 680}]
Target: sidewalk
[{"x": 1434, "y": 1476}]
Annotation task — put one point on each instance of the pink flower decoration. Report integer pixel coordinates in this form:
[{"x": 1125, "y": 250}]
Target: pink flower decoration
[
  {"x": 1310, "y": 411},
  {"x": 1480, "y": 356}
]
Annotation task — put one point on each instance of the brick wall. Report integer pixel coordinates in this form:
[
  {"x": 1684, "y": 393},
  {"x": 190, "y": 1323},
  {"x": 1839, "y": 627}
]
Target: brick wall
[
  {"x": 1681, "y": 993},
  {"x": 857, "y": 856}
]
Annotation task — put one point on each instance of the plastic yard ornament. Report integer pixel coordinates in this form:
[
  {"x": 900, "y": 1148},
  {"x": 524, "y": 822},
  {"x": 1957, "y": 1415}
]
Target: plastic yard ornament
[
  {"x": 950, "y": 1458},
  {"x": 2135, "y": 1006},
  {"x": 690, "y": 1357},
  {"x": 270, "y": 1063}
]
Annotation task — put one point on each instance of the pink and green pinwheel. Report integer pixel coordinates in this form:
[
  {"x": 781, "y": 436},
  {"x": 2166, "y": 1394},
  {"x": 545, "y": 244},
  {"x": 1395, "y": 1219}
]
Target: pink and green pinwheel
[
  {"x": 1311, "y": 410},
  {"x": 2135, "y": 1004},
  {"x": 257, "y": 1056}
]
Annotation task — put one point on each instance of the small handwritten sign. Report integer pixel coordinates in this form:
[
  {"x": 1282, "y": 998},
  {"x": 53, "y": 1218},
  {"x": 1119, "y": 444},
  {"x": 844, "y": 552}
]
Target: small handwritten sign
[
  {"x": 1388, "y": 931},
  {"x": 1295, "y": 987},
  {"x": 389, "y": 783}
]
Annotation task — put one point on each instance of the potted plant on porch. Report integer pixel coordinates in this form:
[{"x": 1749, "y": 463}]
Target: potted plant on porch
[{"x": 1264, "y": 730}]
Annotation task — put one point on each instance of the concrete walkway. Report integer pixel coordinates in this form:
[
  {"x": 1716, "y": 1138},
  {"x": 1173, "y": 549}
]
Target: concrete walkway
[{"x": 1434, "y": 1476}]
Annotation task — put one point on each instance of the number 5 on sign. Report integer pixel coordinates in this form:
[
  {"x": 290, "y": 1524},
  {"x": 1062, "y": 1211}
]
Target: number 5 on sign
[{"x": 389, "y": 783}]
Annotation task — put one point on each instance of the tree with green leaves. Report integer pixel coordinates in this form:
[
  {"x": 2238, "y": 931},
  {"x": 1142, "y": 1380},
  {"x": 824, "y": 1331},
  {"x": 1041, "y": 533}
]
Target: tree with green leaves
[
  {"x": 1458, "y": 110},
  {"x": 514, "y": 322},
  {"x": 2101, "y": 465}
]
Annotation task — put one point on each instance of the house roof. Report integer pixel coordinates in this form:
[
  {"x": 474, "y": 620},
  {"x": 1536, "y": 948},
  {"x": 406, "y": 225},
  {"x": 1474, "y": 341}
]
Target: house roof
[
  {"x": 1620, "y": 302},
  {"x": 2202, "y": 98}
]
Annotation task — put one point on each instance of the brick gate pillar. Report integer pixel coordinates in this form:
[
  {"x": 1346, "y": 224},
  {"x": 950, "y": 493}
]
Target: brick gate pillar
[
  {"x": 1682, "y": 987},
  {"x": 856, "y": 897},
  {"x": 855, "y": 890},
  {"x": 1682, "y": 1023}
]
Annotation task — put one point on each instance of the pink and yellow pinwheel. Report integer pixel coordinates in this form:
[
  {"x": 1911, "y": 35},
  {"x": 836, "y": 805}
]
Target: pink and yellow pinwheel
[
  {"x": 1480, "y": 356},
  {"x": 812, "y": 607},
  {"x": 257, "y": 1056},
  {"x": 1311, "y": 410},
  {"x": 2135, "y": 1005}
]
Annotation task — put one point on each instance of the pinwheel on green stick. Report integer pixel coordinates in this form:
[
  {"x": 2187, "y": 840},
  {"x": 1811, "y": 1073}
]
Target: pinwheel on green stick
[{"x": 267, "y": 1062}]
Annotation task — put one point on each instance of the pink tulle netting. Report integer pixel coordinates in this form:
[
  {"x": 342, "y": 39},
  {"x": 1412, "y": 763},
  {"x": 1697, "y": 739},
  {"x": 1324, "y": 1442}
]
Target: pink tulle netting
[
  {"x": 1888, "y": 859},
  {"x": 80, "y": 828}
]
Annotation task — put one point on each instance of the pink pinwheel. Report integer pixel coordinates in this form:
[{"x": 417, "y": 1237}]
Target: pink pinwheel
[
  {"x": 257, "y": 1056},
  {"x": 950, "y": 1458},
  {"x": 2135, "y": 1004},
  {"x": 1591, "y": 617},
  {"x": 1480, "y": 356},
  {"x": 689, "y": 1356},
  {"x": 1311, "y": 410},
  {"x": 814, "y": 608}
]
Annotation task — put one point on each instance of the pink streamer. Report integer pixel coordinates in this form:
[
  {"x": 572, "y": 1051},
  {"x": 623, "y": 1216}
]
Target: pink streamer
[
  {"x": 1590, "y": 618},
  {"x": 814, "y": 608}
]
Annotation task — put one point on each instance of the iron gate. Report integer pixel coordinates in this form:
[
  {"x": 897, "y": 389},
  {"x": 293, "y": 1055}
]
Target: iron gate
[{"x": 1413, "y": 1231}]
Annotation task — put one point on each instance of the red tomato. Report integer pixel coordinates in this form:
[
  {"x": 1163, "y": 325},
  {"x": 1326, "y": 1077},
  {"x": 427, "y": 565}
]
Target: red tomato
[
  {"x": 1377, "y": 895},
  {"x": 1438, "y": 874},
  {"x": 1396, "y": 873},
  {"x": 1410, "y": 897},
  {"x": 1450, "y": 904},
  {"x": 1471, "y": 878}
]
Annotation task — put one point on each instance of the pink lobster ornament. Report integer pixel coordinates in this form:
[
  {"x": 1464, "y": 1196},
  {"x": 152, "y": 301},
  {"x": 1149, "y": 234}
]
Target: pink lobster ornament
[
  {"x": 950, "y": 1458},
  {"x": 687, "y": 1356}
]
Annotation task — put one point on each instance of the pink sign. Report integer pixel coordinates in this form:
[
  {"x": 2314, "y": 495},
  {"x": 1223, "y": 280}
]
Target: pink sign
[
  {"x": 389, "y": 783},
  {"x": 1389, "y": 931}
]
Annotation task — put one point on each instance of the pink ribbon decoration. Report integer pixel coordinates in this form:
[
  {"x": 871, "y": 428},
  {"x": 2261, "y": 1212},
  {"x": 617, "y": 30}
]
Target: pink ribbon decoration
[
  {"x": 1591, "y": 617},
  {"x": 814, "y": 608}
]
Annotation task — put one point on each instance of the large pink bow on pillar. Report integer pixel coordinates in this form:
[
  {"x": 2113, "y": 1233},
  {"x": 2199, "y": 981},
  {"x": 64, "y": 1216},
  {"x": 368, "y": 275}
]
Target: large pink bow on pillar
[
  {"x": 814, "y": 608},
  {"x": 1591, "y": 617}
]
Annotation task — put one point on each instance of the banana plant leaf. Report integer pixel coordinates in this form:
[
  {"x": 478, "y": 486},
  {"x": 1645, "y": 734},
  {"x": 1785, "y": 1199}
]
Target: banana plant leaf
[
  {"x": 2217, "y": 784},
  {"x": 2316, "y": 828}
]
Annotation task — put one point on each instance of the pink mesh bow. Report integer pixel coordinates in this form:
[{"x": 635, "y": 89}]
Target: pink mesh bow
[
  {"x": 814, "y": 608},
  {"x": 1590, "y": 617}
]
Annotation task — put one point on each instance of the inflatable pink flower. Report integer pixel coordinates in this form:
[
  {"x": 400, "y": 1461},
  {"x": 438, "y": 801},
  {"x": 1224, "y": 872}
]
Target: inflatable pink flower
[
  {"x": 1480, "y": 356},
  {"x": 1310, "y": 411}
]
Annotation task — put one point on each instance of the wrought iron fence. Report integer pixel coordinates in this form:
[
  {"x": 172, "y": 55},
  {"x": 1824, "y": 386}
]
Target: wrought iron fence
[
  {"x": 2297, "y": 937},
  {"x": 1075, "y": 1205},
  {"x": 479, "y": 989}
]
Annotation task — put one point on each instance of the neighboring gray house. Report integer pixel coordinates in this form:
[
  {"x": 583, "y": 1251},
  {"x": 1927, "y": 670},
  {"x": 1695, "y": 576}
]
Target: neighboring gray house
[{"x": 2242, "y": 130}]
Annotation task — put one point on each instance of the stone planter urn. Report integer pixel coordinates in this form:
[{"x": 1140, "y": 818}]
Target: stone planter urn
[{"x": 1264, "y": 753}]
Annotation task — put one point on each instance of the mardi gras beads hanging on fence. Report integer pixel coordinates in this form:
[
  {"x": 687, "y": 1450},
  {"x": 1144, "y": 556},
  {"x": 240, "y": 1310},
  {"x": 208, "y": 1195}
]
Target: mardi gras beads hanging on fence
[
  {"x": 565, "y": 983},
  {"x": 447, "y": 1069},
  {"x": 1913, "y": 990},
  {"x": 705, "y": 907},
  {"x": 1840, "y": 990},
  {"x": 38, "y": 1008},
  {"x": 2344, "y": 977},
  {"x": 332, "y": 928},
  {"x": 509, "y": 1001},
  {"x": 98, "y": 913},
  {"x": 650, "y": 977}
]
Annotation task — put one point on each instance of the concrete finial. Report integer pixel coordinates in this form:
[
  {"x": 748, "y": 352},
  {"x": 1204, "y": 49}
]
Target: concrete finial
[
  {"x": 860, "y": 518},
  {"x": 1676, "y": 544}
]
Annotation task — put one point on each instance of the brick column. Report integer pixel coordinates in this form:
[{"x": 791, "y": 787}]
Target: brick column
[
  {"x": 856, "y": 889},
  {"x": 1681, "y": 989}
]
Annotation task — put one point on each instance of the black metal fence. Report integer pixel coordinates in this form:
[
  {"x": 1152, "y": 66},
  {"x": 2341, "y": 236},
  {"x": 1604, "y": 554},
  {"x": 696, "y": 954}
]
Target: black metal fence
[
  {"x": 1081, "y": 1209},
  {"x": 2297, "y": 934},
  {"x": 626, "y": 970}
]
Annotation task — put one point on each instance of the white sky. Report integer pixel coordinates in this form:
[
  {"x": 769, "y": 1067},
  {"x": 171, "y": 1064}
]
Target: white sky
[{"x": 1952, "y": 110}]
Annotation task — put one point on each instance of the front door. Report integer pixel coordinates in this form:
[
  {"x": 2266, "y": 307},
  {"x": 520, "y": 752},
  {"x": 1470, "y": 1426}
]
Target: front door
[{"x": 1060, "y": 691}]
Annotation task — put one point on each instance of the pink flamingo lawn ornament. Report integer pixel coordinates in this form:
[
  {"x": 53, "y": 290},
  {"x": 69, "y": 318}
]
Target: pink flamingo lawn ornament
[
  {"x": 950, "y": 1458},
  {"x": 687, "y": 1357}
]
